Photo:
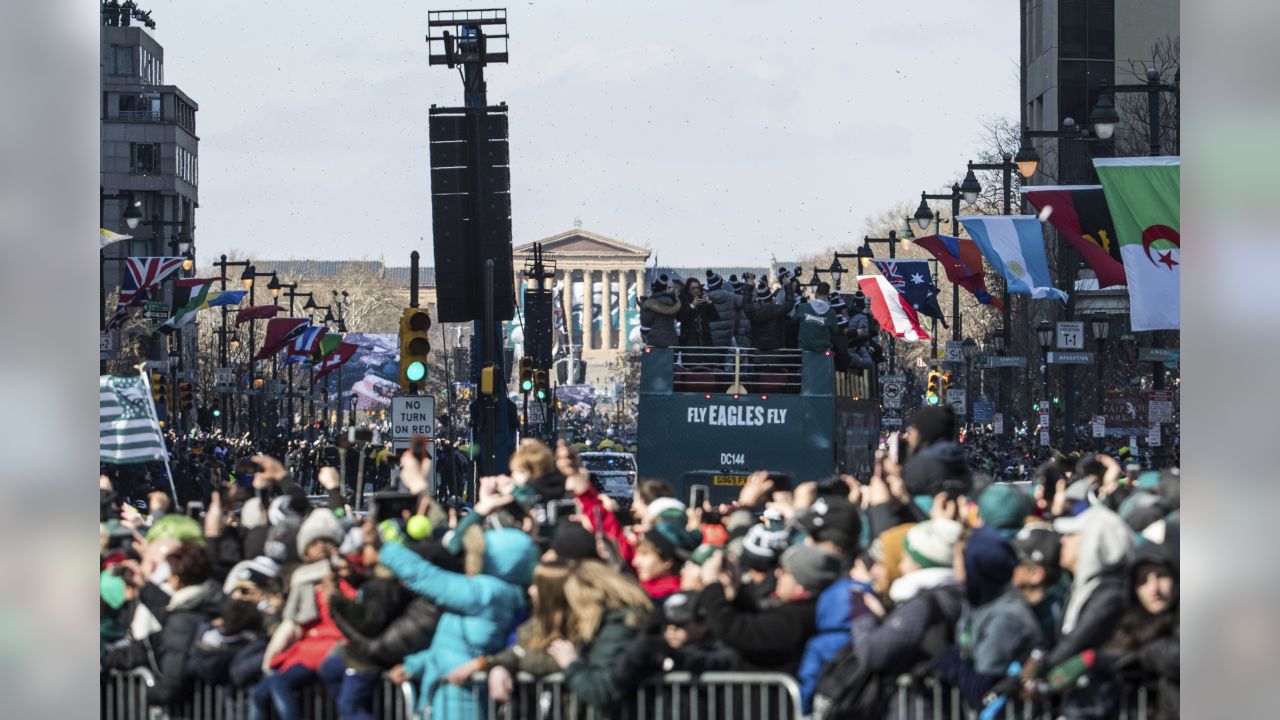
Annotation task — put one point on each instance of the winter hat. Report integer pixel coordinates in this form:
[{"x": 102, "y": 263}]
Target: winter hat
[
  {"x": 666, "y": 507},
  {"x": 812, "y": 567},
  {"x": 261, "y": 571},
  {"x": 714, "y": 281},
  {"x": 510, "y": 555},
  {"x": 321, "y": 524},
  {"x": 735, "y": 283},
  {"x": 761, "y": 547},
  {"x": 1003, "y": 508},
  {"x": 282, "y": 540},
  {"x": 252, "y": 514},
  {"x": 111, "y": 588},
  {"x": 858, "y": 301},
  {"x": 932, "y": 543},
  {"x": 178, "y": 527},
  {"x": 682, "y": 608},
  {"x": 1038, "y": 545},
  {"x": 934, "y": 424},
  {"x": 842, "y": 321},
  {"x": 1170, "y": 487},
  {"x": 672, "y": 540},
  {"x": 574, "y": 542},
  {"x": 660, "y": 283},
  {"x": 989, "y": 561},
  {"x": 888, "y": 549},
  {"x": 939, "y": 467},
  {"x": 837, "y": 300},
  {"x": 832, "y": 518}
]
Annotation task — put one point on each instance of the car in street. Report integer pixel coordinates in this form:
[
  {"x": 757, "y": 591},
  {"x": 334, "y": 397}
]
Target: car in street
[{"x": 614, "y": 473}]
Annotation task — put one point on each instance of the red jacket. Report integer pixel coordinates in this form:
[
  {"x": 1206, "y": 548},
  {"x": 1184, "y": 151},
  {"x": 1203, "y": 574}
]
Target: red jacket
[
  {"x": 591, "y": 507},
  {"x": 318, "y": 636}
]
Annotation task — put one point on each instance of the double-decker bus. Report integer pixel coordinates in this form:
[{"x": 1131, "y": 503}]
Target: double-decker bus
[{"x": 710, "y": 416}]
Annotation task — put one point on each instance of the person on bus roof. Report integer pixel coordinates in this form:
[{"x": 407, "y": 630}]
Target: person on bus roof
[
  {"x": 728, "y": 304},
  {"x": 658, "y": 314},
  {"x": 697, "y": 312},
  {"x": 816, "y": 321}
]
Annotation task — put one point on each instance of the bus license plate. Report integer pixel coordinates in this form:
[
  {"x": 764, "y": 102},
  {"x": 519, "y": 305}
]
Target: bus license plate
[{"x": 729, "y": 480}]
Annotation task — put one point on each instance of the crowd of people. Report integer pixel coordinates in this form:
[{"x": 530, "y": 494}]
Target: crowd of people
[
  {"x": 1065, "y": 593},
  {"x": 762, "y": 314}
]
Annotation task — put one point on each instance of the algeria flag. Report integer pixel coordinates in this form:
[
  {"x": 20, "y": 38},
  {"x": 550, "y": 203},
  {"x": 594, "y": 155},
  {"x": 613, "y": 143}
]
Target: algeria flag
[{"x": 1143, "y": 195}]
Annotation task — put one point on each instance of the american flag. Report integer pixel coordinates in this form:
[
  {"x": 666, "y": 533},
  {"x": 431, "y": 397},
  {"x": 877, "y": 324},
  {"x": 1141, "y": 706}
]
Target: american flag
[{"x": 128, "y": 426}]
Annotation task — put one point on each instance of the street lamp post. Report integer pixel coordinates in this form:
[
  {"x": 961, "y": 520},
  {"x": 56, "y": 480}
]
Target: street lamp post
[
  {"x": 924, "y": 217},
  {"x": 1101, "y": 326},
  {"x": 291, "y": 290},
  {"x": 222, "y": 265},
  {"x": 999, "y": 340},
  {"x": 132, "y": 216},
  {"x": 970, "y": 347},
  {"x": 1044, "y": 334}
]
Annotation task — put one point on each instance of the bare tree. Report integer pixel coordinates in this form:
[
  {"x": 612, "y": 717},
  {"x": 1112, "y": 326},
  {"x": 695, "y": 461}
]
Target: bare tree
[{"x": 1131, "y": 137}]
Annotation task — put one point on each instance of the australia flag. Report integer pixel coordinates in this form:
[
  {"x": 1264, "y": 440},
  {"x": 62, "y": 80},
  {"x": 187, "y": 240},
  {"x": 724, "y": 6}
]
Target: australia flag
[{"x": 913, "y": 280}]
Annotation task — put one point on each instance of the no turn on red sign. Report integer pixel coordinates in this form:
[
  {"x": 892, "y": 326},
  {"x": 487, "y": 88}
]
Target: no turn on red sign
[{"x": 412, "y": 415}]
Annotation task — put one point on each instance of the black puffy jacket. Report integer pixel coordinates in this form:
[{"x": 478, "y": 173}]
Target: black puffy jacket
[
  {"x": 658, "y": 320},
  {"x": 182, "y": 620},
  {"x": 379, "y": 601},
  {"x": 408, "y": 633},
  {"x": 768, "y": 320},
  {"x": 695, "y": 322}
]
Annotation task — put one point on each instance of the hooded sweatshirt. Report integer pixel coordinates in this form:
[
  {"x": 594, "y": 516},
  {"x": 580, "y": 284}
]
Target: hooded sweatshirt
[
  {"x": 835, "y": 606},
  {"x": 1098, "y": 595},
  {"x": 817, "y": 325}
]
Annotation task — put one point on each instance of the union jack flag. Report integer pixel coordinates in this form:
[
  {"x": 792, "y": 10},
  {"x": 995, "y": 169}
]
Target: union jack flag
[{"x": 144, "y": 276}]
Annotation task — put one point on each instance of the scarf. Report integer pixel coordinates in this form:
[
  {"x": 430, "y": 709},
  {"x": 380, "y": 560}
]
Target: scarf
[{"x": 913, "y": 583}]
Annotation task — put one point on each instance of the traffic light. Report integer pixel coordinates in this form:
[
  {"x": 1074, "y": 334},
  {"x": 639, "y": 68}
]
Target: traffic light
[
  {"x": 160, "y": 389},
  {"x": 526, "y": 374},
  {"x": 541, "y": 387},
  {"x": 946, "y": 382},
  {"x": 414, "y": 348},
  {"x": 486, "y": 380},
  {"x": 933, "y": 395},
  {"x": 185, "y": 397}
]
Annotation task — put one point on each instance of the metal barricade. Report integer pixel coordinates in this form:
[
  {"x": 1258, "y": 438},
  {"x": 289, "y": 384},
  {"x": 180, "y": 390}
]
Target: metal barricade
[
  {"x": 124, "y": 697},
  {"x": 737, "y": 370},
  {"x": 929, "y": 699},
  {"x": 709, "y": 696}
]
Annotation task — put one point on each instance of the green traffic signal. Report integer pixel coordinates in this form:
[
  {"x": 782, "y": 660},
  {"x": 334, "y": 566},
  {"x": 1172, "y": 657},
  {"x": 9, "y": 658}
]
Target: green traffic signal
[
  {"x": 933, "y": 399},
  {"x": 217, "y": 412},
  {"x": 541, "y": 394},
  {"x": 1055, "y": 400},
  {"x": 527, "y": 385},
  {"x": 415, "y": 371}
]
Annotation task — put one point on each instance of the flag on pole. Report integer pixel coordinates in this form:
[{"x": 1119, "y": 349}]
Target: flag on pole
[
  {"x": 1080, "y": 213},
  {"x": 256, "y": 312},
  {"x": 329, "y": 343},
  {"x": 279, "y": 332},
  {"x": 188, "y": 299},
  {"x": 1014, "y": 245},
  {"x": 106, "y": 237},
  {"x": 962, "y": 260},
  {"x": 1143, "y": 195},
  {"x": 128, "y": 427},
  {"x": 224, "y": 297},
  {"x": 333, "y": 360},
  {"x": 891, "y": 309},
  {"x": 306, "y": 344},
  {"x": 144, "y": 276},
  {"x": 913, "y": 280}
]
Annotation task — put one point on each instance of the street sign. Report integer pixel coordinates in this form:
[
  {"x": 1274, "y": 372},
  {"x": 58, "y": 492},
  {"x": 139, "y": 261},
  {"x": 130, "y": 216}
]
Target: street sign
[
  {"x": 411, "y": 415},
  {"x": 956, "y": 399},
  {"x": 1153, "y": 436},
  {"x": 1150, "y": 354},
  {"x": 1070, "y": 358},
  {"x": 893, "y": 378},
  {"x": 983, "y": 411},
  {"x": 158, "y": 366},
  {"x": 1044, "y": 419},
  {"x": 224, "y": 376},
  {"x": 1070, "y": 335},
  {"x": 998, "y": 422},
  {"x": 1099, "y": 426},
  {"x": 106, "y": 342},
  {"x": 891, "y": 422},
  {"x": 893, "y": 392},
  {"x": 537, "y": 412},
  {"x": 1044, "y": 438},
  {"x": 954, "y": 352},
  {"x": 1006, "y": 361},
  {"x": 156, "y": 310},
  {"x": 1160, "y": 406}
]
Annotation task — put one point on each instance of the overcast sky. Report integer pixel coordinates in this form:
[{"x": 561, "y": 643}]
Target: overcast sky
[{"x": 709, "y": 131}]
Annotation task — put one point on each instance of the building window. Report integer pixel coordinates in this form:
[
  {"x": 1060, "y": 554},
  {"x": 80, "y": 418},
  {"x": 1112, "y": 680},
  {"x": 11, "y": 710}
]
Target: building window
[
  {"x": 122, "y": 60},
  {"x": 144, "y": 158},
  {"x": 1086, "y": 29},
  {"x": 150, "y": 68},
  {"x": 186, "y": 115},
  {"x": 140, "y": 107},
  {"x": 187, "y": 167}
]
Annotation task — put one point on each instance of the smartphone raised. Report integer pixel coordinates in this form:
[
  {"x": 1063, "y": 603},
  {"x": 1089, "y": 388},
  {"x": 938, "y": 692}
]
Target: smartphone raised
[
  {"x": 697, "y": 495},
  {"x": 560, "y": 510},
  {"x": 782, "y": 481},
  {"x": 195, "y": 509},
  {"x": 392, "y": 506}
]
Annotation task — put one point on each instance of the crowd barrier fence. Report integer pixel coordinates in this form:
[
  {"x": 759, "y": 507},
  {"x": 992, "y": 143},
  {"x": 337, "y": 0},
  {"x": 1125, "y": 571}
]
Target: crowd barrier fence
[{"x": 677, "y": 695}]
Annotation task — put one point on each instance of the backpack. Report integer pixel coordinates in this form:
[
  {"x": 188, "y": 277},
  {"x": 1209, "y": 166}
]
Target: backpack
[{"x": 848, "y": 690}]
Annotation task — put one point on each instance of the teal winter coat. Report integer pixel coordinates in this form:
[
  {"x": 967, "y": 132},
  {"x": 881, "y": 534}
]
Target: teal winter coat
[{"x": 479, "y": 613}]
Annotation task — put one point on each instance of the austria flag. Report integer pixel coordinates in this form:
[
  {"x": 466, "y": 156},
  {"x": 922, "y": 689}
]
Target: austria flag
[{"x": 891, "y": 309}]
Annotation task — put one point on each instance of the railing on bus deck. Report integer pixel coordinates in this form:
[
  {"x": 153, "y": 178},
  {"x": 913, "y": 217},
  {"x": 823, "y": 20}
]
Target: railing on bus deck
[{"x": 732, "y": 370}]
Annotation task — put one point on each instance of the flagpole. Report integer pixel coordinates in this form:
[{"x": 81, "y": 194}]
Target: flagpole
[{"x": 146, "y": 385}]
